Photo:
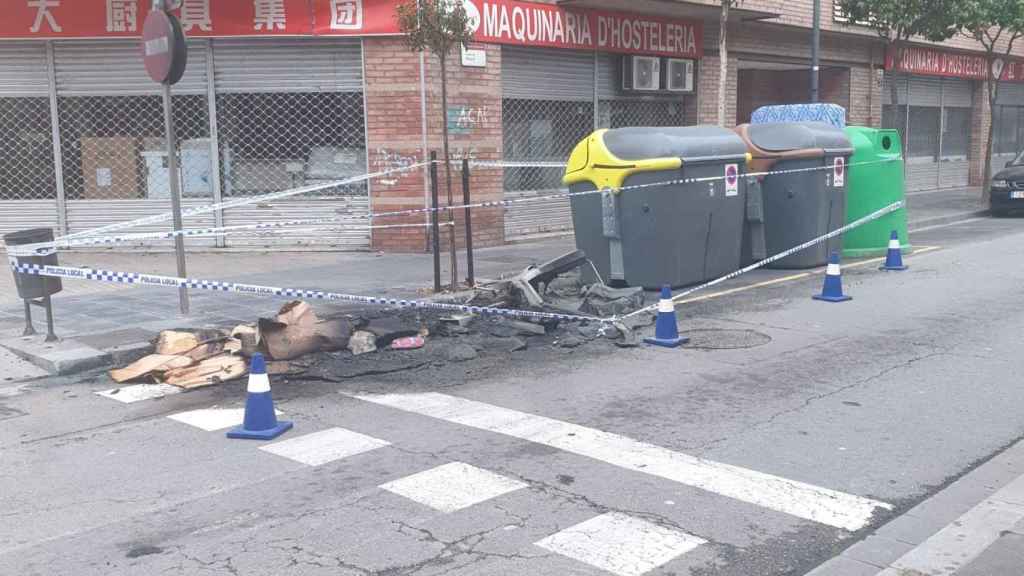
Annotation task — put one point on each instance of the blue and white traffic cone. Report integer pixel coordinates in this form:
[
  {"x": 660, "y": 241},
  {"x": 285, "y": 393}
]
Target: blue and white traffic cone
[
  {"x": 260, "y": 419},
  {"x": 832, "y": 291},
  {"x": 894, "y": 257},
  {"x": 666, "y": 331}
]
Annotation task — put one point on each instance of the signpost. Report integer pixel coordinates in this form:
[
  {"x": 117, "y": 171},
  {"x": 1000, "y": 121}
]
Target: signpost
[{"x": 165, "y": 56}]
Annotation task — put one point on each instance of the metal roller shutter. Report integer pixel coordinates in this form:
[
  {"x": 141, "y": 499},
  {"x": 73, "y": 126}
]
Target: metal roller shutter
[
  {"x": 27, "y": 187},
  {"x": 1008, "y": 123},
  {"x": 957, "y": 99},
  {"x": 547, "y": 74},
  {"x": 115, "y": 68},
  {"x": 293, "y": 65},
  {"x": 925, "y": 96},
  {"x": 548, "y": 107},
  {"x": 291, "y": 103}
]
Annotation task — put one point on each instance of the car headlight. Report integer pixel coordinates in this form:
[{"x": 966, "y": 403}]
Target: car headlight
[{"x": 1000, "y": 184}]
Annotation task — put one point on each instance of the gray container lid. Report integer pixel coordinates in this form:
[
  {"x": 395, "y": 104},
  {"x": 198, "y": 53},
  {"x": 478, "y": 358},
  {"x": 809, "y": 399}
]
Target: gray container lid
[
  {"x": 686, "y": 142},
  {"x": 785, "y": 136}
]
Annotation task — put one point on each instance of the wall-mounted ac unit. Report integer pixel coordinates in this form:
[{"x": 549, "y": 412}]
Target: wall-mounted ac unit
[
  {"x": 679, "y": 75},
  {"x": 641, "y": 73}
]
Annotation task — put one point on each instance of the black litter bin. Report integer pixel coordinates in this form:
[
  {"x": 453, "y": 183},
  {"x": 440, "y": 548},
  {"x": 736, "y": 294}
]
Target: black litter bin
[
  {"x": 800, "y": 204},
  {"x": 668, "y": 231},
  {"x": 33, "y": 285}
]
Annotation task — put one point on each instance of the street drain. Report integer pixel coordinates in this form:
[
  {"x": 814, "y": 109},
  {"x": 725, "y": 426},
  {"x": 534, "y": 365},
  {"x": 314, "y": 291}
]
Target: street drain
[{"x": 720, "y": 339}]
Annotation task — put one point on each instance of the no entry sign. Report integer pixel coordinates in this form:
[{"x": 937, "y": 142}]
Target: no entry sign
[
  {"x": 839, "y": 171},
  {"x": 732, "y": 179},
  {"x": 163, "y": 47}
]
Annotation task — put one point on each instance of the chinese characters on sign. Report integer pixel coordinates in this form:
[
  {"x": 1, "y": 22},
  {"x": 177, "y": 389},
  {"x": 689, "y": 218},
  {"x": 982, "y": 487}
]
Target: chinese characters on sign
[
  {"x": 346, "y": 14},
  {"x": 196, "y": 14},
  {"x": 122, "y": 15},
  {"x": 270, "y": 15},
  {"x": 43, "y": 12}
]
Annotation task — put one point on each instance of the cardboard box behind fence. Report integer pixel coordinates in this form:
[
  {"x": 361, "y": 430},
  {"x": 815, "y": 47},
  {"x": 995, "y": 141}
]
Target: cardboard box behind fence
[{"x": 110, "y": 168}]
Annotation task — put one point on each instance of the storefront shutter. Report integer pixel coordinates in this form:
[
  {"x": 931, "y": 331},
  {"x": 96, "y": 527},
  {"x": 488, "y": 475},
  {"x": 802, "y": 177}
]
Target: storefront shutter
[
  {"x": 288, "y": 65},
  {"x": 115, "y": 68},
  {"x": 23, "y": 69},
  {"x": 547, "y": 74}
]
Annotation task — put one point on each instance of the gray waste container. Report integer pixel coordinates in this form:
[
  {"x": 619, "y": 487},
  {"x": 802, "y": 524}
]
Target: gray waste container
[
  {"x": 33, "y": 285},
  {"x": 800, "y": 206},
  {"x": 667, "y": 231}
]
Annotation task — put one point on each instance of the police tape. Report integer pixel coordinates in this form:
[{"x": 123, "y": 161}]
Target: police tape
[
  {"x": 261, "y": 290},
  {"x": 136, "y": 278},
  {"x": 70, "y": 241},
  {"x": 823, "y": 238}
]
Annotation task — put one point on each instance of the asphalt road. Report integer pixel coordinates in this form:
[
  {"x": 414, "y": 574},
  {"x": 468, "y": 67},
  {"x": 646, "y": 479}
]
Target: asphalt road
[{"x": 793, "y": 429}]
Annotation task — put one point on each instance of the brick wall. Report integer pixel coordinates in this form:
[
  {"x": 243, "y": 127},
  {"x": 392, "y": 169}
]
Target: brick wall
[
  {"x": 758, "y": 88},
  {"x": 395, "y": 137},
  {"x": 707, "y": 82},
  {"x": 865, "y": 97}
]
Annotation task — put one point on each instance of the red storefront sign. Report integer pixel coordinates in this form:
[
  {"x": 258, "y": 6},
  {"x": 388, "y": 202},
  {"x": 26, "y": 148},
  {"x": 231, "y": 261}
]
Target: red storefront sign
[
  {"x": 496, "y": 21},
  {"x": 931, "y": 62}
]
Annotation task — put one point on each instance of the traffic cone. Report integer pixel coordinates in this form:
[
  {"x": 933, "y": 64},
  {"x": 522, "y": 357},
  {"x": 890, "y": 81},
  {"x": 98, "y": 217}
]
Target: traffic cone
[
  {"x": 260, "y": 419},
  {"x": 832, "y": 291},
  {"x": 666, "y": 331},
  {"x": 894, "y": 257}
]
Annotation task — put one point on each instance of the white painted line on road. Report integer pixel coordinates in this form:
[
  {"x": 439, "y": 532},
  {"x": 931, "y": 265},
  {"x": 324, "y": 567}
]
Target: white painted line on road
[
  {"x": 139, "y": 392},
  {"x": 621, "y": 544},
  {"x": 965, "y": 538},
  {"x": 453, "y": 486},
  {"x": 798, "y": 499},
  {"x": 947, "y": 225},
  {"x": 325, "y": 446},
  {"x": 211, "y": 419}
]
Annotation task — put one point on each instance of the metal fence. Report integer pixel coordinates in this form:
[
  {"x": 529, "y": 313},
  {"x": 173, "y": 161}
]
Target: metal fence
[{"x": 251, "y": 118}]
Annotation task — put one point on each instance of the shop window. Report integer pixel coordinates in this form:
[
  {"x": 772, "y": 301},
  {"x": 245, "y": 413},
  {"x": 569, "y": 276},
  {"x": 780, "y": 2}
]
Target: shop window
[
  {"x": 1006, "y": 126},
  {"x": 641, "y": 112},
  {"x": 542, "y": 130},
  {"x": 26, "y": 150},
  {"x": 956, "y": 133},
  {"x": 895, "y": 118},
  {"x": 113, "y": 147},
  {"x": 276, "y": 141},
  {"x": 925, "y": 123}
]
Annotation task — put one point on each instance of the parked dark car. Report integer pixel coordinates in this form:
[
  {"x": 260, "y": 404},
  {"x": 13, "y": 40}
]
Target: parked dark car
[{"x": 1007, "y": 190}]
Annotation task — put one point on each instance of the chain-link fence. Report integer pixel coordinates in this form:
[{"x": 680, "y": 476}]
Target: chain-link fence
[
  {"x": 26, "y": 150},
  {"x": 114, "y": 147}
]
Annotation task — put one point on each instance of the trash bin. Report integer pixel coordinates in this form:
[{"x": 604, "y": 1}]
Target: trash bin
[
  {"x": 800, "y": 205},
  {"x": 667, "y": 231},
  {"x": 876, "y": 180},
  {"x": 33, "y": 285}
]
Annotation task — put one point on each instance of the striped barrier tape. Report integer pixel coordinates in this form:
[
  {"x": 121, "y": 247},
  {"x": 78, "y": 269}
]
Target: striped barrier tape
[
  {"x": 260, "y": 290},
  {"x": 137, "y": 278},
  {"x": 858, "y": 222},
  {"x": 44, "y": 248}
]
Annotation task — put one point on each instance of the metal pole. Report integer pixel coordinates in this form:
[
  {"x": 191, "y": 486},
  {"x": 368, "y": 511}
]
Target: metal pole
[
  {"x": 469, "y": 222},
  {"x": 211, "y": 107},
  {"x": 435, "y": 231},
  {"x": 55, "y": 137},
  {"x": 815, "y": 48},
  {"x": 172, "y": 168}
]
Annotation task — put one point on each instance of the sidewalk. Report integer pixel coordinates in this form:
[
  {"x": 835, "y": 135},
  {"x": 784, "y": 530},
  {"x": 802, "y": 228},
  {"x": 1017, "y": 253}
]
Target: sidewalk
[{"x": 138, "y": 312}]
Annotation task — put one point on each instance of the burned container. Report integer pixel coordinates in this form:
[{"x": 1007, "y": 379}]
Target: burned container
[
  {"x": 805, "y": 197},
  {"x": 668, "y": 204},
  {"x": 32, "y": 285}
]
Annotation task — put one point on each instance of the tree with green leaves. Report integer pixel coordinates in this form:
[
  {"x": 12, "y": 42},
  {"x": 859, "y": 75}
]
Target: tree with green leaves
[
  {"x": 439, "y": 26},
  {"x": 997, "y": 25},
  {"x": 897, "y": 22}
]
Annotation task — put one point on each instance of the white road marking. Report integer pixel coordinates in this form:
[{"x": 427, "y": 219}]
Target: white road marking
[
  {"x": 453, "y": 486},
  {"x": 211, "y": 419},
  {"x": 798, "y": 499},
  {"x": 325, "y": 446},
  {"x": 621, "y": 544},
  {"x": 139, "y": 392},
  {"x": 966, "y": 538},
  {"x": 946, "y": 225}
]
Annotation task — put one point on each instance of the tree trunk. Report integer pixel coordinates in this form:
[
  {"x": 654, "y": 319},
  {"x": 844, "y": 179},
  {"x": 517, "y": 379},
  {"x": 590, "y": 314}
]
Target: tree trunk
[
  {"x": 993, "y": 94},
  {"x": 448, "y": 172},
  {"x": 723, "y": 61}
]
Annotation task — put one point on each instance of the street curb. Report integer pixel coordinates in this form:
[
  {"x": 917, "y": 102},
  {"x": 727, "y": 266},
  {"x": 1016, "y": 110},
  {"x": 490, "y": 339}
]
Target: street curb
[
  {"x": 60, "y": 358},
  {"x": 948, "y": 219},
  {"x": 892, "y": 540}
]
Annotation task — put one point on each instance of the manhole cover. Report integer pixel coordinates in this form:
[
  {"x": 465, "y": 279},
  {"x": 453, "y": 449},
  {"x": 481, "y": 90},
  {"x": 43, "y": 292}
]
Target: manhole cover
[{"x": 719, "y": 339}]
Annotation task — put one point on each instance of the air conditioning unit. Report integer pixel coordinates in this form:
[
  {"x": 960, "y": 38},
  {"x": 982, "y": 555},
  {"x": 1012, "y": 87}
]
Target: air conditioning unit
[
  {"x": 641, "y": 73},
  {"x": 679, "y": 75}
]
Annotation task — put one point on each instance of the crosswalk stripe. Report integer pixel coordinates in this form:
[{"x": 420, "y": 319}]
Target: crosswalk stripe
[
  {"x": 621, "y": 544},
  {"x": 830, "y": 507},
  {"x": 453, "y": 486},
  {"x": 324, "y": 446},
  {"x": 139, "y": 392}
]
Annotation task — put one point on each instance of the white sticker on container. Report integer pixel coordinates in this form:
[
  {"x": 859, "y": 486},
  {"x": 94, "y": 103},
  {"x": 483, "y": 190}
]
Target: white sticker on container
[
  {"x": 732, "y": 179},
  {"x": 839, "y": 171}
]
